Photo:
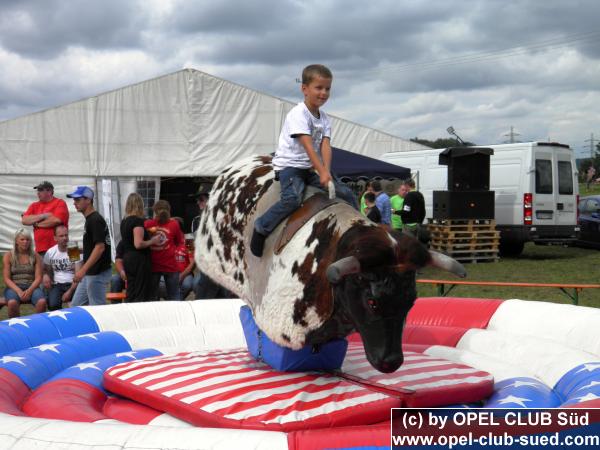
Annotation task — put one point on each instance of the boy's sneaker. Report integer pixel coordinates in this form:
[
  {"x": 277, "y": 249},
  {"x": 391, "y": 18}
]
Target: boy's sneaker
[{"x": 257, "y": 243}]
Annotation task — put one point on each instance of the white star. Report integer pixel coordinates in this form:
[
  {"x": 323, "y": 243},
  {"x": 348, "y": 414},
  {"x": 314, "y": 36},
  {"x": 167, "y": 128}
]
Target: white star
[
  {"x": 16, "y": 359},
  {"x": 518, "y": 383},
  {"x": 92, "y": 365},
  {"x": 589, "y": 367},
  {"x": 59, "y": 313},
  {"x": 89, "y": 335},
  {"x": 17, "y": 321},
  {"x": 46, "y": 347},
  {"x": 512, "y": 399},
  {"x": 592, "y": 384},
  {"x": 586, "y": 397},
  {"x": 130, "y": 354}
]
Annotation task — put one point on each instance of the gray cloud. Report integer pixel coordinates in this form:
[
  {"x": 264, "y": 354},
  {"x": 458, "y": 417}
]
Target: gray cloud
[
  {"x": 409, "y": 67},
  {"x": 44, "y": 29}
]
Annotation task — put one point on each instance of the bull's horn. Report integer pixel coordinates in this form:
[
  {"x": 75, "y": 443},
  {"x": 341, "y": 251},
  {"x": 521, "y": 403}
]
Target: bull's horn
[
  {"x": 442, "y": 261},
  {"x": 339, "y": 269}
]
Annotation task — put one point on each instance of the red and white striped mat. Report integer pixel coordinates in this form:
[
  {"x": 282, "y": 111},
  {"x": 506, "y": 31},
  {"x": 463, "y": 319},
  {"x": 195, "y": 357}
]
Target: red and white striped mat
[
  {"x": 231, "y": 389},
  {"x": 422, "y": 380}
]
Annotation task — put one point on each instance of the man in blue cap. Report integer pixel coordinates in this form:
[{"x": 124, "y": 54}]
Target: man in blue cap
[{"x": 94, "y": 274}]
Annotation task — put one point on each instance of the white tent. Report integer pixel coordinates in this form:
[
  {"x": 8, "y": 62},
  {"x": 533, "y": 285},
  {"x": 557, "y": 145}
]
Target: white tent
[{"x": 187, "y": 123}]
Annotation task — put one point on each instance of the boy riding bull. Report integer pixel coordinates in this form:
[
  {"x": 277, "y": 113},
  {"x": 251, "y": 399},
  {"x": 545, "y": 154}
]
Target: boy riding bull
[{"x": 303, "y": 156}]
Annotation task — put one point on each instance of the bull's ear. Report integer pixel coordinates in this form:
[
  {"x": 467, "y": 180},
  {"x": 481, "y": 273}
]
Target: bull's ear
[
  {"x": 339, "y": 269},
  {"x": 444, "y": 262}
]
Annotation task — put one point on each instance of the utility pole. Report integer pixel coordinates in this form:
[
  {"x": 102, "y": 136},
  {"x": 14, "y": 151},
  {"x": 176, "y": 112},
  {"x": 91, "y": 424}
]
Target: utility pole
[
  {"x": 512, "y": 135},
  {"x": 591, "y": 140}
]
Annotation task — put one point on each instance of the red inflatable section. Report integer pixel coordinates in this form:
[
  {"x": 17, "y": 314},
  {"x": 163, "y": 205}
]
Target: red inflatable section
[
  {"x": 66, "y": 399},
  {"x": 453, "y": 312},
  {"x": 12, "y": 393},
  {"x": 444, "y": 320},
  {"x": 373, "y": 436},
  {"x": 128, "y": 411}
]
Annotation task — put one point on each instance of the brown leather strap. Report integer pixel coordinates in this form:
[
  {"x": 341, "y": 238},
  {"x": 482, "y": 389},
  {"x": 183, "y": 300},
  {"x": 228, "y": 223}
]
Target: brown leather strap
[{"x": 298, "y": 218}]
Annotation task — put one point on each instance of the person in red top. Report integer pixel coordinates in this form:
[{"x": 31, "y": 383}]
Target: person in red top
[
  {"x": 184, "y": 257},
  {"x": 45, "y": 215},
  {"x": 163, "y": 254}
]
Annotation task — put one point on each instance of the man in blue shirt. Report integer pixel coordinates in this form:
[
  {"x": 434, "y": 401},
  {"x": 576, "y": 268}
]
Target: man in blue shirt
[{"x": 382, "y": 201}]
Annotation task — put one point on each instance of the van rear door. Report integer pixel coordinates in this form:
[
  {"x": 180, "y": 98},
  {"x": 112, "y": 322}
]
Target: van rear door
[
  {"x": 566, "y": 192},
  {"x": 544, "y": 200},
  {"x": 554, "y": 197}
]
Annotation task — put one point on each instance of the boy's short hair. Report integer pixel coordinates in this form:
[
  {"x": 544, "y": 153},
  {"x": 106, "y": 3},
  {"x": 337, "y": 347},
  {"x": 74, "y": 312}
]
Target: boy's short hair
[
  {"x": 370, "y": 197},
  {"x": 376, "y": 185},
  {"x": 315, "y": 70},
  {"x": 409, "y": 182}
]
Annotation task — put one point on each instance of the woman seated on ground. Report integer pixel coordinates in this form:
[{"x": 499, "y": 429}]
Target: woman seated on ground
[{"x": 23, "y": 275}]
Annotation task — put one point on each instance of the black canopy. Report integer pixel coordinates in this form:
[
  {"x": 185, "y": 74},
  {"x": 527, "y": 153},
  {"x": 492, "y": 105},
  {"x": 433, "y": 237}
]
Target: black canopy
[{"x": 346, "y": 164}]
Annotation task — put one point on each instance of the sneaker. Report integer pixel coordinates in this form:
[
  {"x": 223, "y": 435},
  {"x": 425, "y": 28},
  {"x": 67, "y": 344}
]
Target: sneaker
[{"x": 257, "y": 243}]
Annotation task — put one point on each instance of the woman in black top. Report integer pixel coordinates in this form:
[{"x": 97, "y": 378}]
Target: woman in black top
[
  {"x": 136, "y": 250},
  {"x": 372, "y": 211}
]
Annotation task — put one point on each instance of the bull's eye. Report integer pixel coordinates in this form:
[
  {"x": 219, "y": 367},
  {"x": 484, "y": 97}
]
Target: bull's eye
[{"x": 372, "y": 304}]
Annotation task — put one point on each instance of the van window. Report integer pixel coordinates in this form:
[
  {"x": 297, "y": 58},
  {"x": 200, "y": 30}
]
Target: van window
[
  {"x": 543, "y": 176},
  {"x": 565, "y": 178}
]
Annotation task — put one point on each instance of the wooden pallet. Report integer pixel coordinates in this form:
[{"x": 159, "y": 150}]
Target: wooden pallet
[
  {"x": 462, "y": 225},
  {"x": 491, "y": 245},
  {"x": 474, "y": 259},
  {"x": 465, "y": 240},
  {"x": 465, "y": 235}
]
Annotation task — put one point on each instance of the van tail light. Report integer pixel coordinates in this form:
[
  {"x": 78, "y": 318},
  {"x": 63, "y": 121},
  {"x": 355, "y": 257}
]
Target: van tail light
[
  {"x": 577, "y": 209},
  {"x": 527, "y": 209}
]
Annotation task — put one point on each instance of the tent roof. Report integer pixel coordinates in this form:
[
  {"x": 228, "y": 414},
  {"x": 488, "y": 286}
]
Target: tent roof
[
  {"x": 355, "y": 166},
  {"x": 187, "y": 123}
]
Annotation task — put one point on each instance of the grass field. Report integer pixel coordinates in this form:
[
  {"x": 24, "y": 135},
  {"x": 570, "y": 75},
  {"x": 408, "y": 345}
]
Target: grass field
[{"x": 537, "y": 264}]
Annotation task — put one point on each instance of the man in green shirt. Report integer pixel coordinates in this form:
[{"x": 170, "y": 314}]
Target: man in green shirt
[
  {"x": 363, "y": 206},
  {"x": 397, "y": 202}
]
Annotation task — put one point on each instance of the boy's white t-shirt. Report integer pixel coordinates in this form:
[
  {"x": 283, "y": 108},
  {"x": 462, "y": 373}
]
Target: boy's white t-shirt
[
  {"x": 290, "y": 153},
  {"x": 62, "y": 266}
]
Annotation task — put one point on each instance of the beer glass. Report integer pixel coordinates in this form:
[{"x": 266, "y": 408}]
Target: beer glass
[{"x": 73, "y": 251}]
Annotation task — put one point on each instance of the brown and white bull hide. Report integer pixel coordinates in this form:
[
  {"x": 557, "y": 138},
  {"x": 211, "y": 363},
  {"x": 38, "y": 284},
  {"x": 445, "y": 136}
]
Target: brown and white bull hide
[{"x": 288, "y": 293}]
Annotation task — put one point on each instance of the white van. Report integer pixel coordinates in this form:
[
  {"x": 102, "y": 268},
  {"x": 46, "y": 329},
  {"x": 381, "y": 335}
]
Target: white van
[{"x": 535, "y": 185}]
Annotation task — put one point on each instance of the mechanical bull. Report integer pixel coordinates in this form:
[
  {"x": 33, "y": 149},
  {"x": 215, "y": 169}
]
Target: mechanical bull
[{"x": 323, "y": 274}]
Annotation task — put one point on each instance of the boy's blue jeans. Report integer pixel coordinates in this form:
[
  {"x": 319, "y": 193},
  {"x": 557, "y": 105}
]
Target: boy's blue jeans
[{"x": 293, "y": 181}]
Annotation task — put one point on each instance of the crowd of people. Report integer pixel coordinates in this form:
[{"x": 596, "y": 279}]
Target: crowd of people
[
  {"x": 404, "y": 211},
  {"x": 153, "y": 259}
]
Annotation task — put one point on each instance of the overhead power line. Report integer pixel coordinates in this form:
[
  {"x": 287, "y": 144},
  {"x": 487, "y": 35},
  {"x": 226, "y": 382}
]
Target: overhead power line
[{"x": 550, "y": 44}]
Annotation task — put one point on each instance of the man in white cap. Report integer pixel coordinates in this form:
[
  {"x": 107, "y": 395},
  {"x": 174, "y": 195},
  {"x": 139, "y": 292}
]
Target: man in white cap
[
  {"x": 45, "y": 215},
  {"x": 94, "y": 274}
]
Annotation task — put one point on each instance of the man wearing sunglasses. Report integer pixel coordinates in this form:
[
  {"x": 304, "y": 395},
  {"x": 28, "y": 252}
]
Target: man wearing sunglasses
[{"x": 45, "y": 215}]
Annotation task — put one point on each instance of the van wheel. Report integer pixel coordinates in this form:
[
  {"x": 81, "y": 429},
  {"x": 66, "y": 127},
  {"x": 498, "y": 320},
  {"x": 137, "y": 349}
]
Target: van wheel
[{"x": 511, "y": 248}]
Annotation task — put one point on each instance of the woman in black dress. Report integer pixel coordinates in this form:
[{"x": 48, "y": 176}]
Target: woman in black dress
[{"x": 136, "y": 250}]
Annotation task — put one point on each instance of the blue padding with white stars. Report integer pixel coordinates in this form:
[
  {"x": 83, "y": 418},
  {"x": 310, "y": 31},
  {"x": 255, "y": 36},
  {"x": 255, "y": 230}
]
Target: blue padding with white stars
[
  {"x": 23, "y": 332},
  {"x": 580, "y": 384},
  {"x": 37, "y": 364},
  {"x": 12, "y": 339},
  {"x": 37, "y": 328},
  {"x": 522, "y": 392},
  {"x": 73, "y": 322},
  {"x": 92, "y": 371}
]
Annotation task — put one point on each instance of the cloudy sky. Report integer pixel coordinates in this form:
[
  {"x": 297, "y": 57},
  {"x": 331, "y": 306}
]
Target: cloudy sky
[{"x": 408, "y": 67}]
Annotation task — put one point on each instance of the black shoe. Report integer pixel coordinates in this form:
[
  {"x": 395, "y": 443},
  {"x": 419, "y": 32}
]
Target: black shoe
[{"x": 257, "y": 243}]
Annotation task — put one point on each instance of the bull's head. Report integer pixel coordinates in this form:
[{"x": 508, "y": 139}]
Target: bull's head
[{"x": 373, "y": 280}]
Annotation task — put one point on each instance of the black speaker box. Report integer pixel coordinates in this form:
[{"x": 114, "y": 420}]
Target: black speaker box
[
  {"x": 468, "y": 168},
  {"x": 463, "y": 205}
]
